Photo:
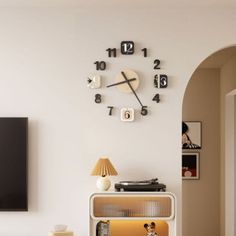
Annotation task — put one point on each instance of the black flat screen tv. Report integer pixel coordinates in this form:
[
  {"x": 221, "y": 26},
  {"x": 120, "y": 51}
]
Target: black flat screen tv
[{"x": 13, "y": 164}]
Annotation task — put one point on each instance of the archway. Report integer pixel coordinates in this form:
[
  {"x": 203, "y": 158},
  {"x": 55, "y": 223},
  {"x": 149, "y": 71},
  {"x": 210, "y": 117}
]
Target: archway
[{"x": 204, "y": 210}]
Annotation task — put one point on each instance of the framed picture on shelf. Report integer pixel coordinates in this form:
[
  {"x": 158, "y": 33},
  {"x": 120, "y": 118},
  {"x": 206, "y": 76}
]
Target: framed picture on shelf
[
  {"x": 191, "y": 135},
  {"x": 190, "y": 165}
]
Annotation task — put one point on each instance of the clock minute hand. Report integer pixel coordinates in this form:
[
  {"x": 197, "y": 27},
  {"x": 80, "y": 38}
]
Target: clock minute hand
[
  {"x": 128, "y": 82},
  {"x": 121, "y": 82}
]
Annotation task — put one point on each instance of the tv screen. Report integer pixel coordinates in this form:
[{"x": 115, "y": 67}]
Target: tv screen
[{"x": 13, "y": 164}]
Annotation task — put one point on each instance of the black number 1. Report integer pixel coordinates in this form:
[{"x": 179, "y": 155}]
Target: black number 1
[{"x": 144, "y": 52}]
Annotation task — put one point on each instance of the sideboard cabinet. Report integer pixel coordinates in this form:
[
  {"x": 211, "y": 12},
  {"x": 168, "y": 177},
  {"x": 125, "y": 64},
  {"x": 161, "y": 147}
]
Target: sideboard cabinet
[{"x": 126, "y": 213}]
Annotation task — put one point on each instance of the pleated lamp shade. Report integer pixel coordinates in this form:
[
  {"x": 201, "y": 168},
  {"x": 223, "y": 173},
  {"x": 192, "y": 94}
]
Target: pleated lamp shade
[{"x": 103, "y": 168}]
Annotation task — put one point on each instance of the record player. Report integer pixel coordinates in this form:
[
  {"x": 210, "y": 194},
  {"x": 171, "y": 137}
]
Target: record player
[{"x": 143, "y": 185}]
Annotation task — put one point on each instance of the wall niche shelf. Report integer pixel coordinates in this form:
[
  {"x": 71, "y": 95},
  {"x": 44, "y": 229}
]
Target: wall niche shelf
[{"x": 125, "y": 213}]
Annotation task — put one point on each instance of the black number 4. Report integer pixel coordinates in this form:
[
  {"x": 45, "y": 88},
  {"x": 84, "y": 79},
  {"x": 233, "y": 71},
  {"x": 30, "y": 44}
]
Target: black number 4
[{"x": 156, "y": 98}]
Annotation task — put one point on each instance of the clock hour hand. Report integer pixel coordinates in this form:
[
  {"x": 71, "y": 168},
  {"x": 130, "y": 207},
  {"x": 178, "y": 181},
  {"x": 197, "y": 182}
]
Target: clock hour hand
[
  {"x": 130, "y": 86},
  {"x": 121, "y": 82}
]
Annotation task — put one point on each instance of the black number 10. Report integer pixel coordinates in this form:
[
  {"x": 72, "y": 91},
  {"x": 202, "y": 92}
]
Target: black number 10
[{"x": 100, "y": 65}]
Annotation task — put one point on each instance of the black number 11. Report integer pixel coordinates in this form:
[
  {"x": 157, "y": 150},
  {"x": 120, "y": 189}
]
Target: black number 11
[{"x": 111, "y": 52}]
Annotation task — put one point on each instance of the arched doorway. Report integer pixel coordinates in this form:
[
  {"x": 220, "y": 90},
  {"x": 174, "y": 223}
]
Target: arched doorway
[{"x": 204, "y": 210}]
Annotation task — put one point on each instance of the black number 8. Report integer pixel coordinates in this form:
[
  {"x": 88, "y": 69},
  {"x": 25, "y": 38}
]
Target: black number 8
[{"x": 98, "y": 98}]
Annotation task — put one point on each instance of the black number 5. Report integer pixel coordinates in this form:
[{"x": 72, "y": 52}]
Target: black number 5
[{"x": 144, "y": 111}]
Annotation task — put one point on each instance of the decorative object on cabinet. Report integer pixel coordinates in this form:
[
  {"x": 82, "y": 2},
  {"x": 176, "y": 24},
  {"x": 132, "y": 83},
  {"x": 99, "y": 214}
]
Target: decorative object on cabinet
[
  {"x": 143, "y": 185},
  {"x": 127, "y": 80},
  {"x": 126, "y": 213},
  {"x": 191, "y": 135},
  {"x": 102, "y": 228},
  {"x": 190, "y": 165},
  {"x": 60, "y": 230},
  {"x": 103, "y": 168},
  {"x": 151, "y": 229}
]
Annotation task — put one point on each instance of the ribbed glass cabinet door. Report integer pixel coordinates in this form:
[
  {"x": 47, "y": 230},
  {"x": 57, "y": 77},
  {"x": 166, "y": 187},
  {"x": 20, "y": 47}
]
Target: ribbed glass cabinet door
[{"x": 132, "y": 206}]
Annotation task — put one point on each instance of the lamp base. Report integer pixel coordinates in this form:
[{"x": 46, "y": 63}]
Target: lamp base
[{"x": 103, "y": 183}]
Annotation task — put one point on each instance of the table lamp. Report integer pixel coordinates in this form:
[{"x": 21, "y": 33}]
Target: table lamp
[{"x": 103, "y": 168}]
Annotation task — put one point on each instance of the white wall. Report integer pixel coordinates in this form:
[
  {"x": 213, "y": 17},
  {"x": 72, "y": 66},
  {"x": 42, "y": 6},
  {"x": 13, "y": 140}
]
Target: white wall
[
  {"x": 202, "y": 197},
  {"x": 228, "y": 84},
  {"x": 46, "y": 55}
]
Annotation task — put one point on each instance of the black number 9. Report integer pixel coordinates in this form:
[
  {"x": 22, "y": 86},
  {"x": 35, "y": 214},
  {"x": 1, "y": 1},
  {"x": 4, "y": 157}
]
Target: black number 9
[{"x": 98, "y": 98}]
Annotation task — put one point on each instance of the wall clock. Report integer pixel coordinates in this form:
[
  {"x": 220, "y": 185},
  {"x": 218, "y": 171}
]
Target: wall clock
[{"x": 126, "y": 81}]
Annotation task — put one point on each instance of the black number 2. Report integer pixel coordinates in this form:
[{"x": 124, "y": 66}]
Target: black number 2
[{"x": 157, "y": 63}]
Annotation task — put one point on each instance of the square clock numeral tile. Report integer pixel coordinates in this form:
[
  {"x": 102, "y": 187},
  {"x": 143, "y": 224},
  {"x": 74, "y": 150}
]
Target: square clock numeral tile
[
  {"x": 127, "y": 47},
  {"x": 127, "y": 114}
]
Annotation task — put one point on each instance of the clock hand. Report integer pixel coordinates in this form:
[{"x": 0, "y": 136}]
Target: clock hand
[
  {"x": 128, "y": 82},
  {"x": 122, "y": 82}
]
